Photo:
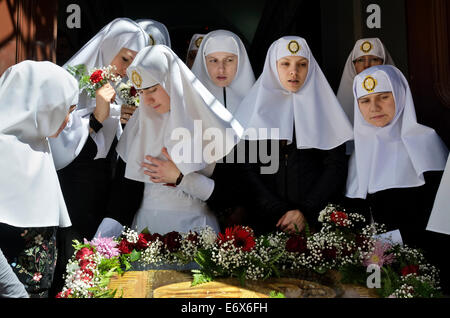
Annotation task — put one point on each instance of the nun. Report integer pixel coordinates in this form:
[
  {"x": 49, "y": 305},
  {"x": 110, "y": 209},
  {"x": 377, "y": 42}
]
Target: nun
[
  {"x": 366, "y": 53},
  {"x": 222, "y": 65},
  {"x": 84, "y": 152},
  {"x": 157, "y": 32},
  {"x": 192, "y": 50},
  {"x": 293, "y": 111},
  {"x": 173, "y": 101},
  {"x": 397, "y": 164},
  {"x": 35, "y": 101}
]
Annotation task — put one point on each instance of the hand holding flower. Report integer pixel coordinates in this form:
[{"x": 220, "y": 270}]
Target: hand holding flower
[{"x": 104, "y": 96}]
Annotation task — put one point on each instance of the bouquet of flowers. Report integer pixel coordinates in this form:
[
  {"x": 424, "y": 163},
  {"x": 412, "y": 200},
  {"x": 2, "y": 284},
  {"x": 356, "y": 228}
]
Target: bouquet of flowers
[
  {"x": 128, "y": 94},
  {"x": 95, "y": 79}
]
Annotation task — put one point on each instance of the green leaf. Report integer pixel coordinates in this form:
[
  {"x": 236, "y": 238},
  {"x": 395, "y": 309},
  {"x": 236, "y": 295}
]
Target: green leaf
[
  {"x": 135, "y": 256},
  {"x": 145, "y": 231},
  {"x": 200, "y": 278},
  {"x": 275, "y": 294}
]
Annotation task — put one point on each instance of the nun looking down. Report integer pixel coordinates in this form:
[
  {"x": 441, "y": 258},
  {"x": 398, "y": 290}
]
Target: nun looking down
[
  {"x": 397, "y": 164},
  {"x": 32, "y": 206},
  {"x": 172, "y": 99},
  {"x": 84, "y": 152}
]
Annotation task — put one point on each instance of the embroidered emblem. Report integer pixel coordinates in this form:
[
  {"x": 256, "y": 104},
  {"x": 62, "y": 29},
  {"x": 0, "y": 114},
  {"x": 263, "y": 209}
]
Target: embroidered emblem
[
  {"x": 294, "y": 47},
  {"x": 198, "y": 41},
  {"x": 137, "y": 79},
  {"x": 152, "y": 40},
  {"x": 369, "y": 84},
  {"x": 366, "y": 47}
]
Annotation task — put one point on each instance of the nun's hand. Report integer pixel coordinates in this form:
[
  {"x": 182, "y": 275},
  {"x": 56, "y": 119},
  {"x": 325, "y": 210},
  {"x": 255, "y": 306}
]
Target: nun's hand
[
  {"x": 161, "y": 171},
  {"x": 126, "y": 111},
  {"x": 292, "y": 221},
  {"x": 104, "y": 96}
]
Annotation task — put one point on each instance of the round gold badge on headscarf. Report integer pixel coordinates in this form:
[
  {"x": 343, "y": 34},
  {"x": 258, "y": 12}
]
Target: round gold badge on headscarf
[
  {"x": 294, "y": 47},
  {"x": 137, "y": 79},
  {"x": 152, "y": 40},
  {"x": 369, "y": 84},
  {"x": 366, "y": 47},
  {"x": 198, "y": 41}
]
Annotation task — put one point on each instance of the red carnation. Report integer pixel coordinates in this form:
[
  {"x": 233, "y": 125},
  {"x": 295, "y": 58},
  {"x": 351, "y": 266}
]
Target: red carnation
[
  {"x": 126, "y": 247},
  {"x": 410, "y": 269},
  {"x": 133, "y": 91},
  {"x": 96, "y": 77},
  {"x": 330, "y": 253},
  {"x": 193, "y": 237},
  {"x": 296, "y": 244},
  {"x": 339, "y": 218},
  {"x": 83, "y": 253},
  {"x": 156, "y": 236},
  {"x": 172, "y": 241}
]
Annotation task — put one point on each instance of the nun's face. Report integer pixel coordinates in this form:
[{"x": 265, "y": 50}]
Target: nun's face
[
  {"x": 122, "y": 60},
  {"x": 64, "y": 124},
  {"x": 156, "y": 97},
  {"x": 366, "y": 61},
  {"x": 222, "y": 67},
  {"x": 292, "y": 72},
  {"x": 377, "y": 109}
]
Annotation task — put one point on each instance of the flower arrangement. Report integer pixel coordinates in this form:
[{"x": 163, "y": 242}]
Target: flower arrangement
[
  {"x": 345, "y": 243},
  {"x": 128, "y": 94},
  {"x": 94, "y": 79}
]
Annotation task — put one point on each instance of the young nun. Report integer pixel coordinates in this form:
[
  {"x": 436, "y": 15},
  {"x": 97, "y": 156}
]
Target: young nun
[
  {"x": 158, "y": 32},
  {"x": 35, "y": 101},
  {"x": 397, "y": 163},
  {"x": 366, "y": 53},
  {"x": 173, "y": 102},
  {"x": 295, "y": 106},
  {"x": 83, "y": 153},
  {"x": 222, "y": 65},
  {"x": 192, "y": 51}
]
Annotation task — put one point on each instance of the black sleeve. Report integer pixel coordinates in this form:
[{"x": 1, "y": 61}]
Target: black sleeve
[
  {"x": 126, "y": 196},
  {"x": 330, "y": 185},
  {"x": 259, "y": 197}
]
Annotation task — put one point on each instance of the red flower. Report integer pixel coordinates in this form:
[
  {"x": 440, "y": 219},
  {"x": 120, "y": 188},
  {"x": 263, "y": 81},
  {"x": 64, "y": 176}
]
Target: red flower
[
  {"x": 193, "y": 237},
  {"x": 242, "y": 236},
  {"x": 143, "y": 241},
  {"x": 339, "y": 218},
  {"x": 330, "y": 253},
  {"x": 125, "y": 247},
  {"x": 65, "y": 294},
  {"x": 96, "y": 77},
  {"x": 172, "y": 241},
  {"x": 410, "y": 269},
  {"x": 83, "y": 253},
  {"x": 296, "y": 244},
  {"x": 156, "y": 236},
  {"x": 133, "y": 91}
]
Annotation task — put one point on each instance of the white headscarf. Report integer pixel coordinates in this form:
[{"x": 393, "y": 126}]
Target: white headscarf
[
  {"x": 396, "y": 155},
  {"x": 97, "y": 53},
  {"x": 157, "y": 31},
  {"x": 370, "y": 46},
  {"x": 440, "y": 215},
  {"x": 35, "y": 98},
  {"x": 314, "y": 110},
  {"x": 225, "y": 41},
  {"x": 148, "y": 132}
]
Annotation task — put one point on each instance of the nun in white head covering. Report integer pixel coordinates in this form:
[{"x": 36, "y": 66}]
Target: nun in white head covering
[
  {"x": 366, "y": 53},
  {"x": 222, "y": 65},
  {"x": 174, "y": 104},
  {"x": 35, "y": 101},
  {"x": 192, "y": 51},
  {"x": 115, "y": 44},
  {"x": 293, "y": 103},
  {"x": 158, "y": 32},
  {"x": 397, "y": 163}
]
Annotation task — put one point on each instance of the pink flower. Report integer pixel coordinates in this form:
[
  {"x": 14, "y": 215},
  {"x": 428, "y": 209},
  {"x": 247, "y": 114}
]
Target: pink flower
[
  {"x": 378, "y": 256},
  {"x": 106, "y": 246},
  {"x": 37, "y": 277}
]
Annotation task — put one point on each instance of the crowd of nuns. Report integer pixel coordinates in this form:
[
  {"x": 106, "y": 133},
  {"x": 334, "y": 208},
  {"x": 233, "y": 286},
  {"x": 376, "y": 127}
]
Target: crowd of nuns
[{"x": 75, "y": 167}]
